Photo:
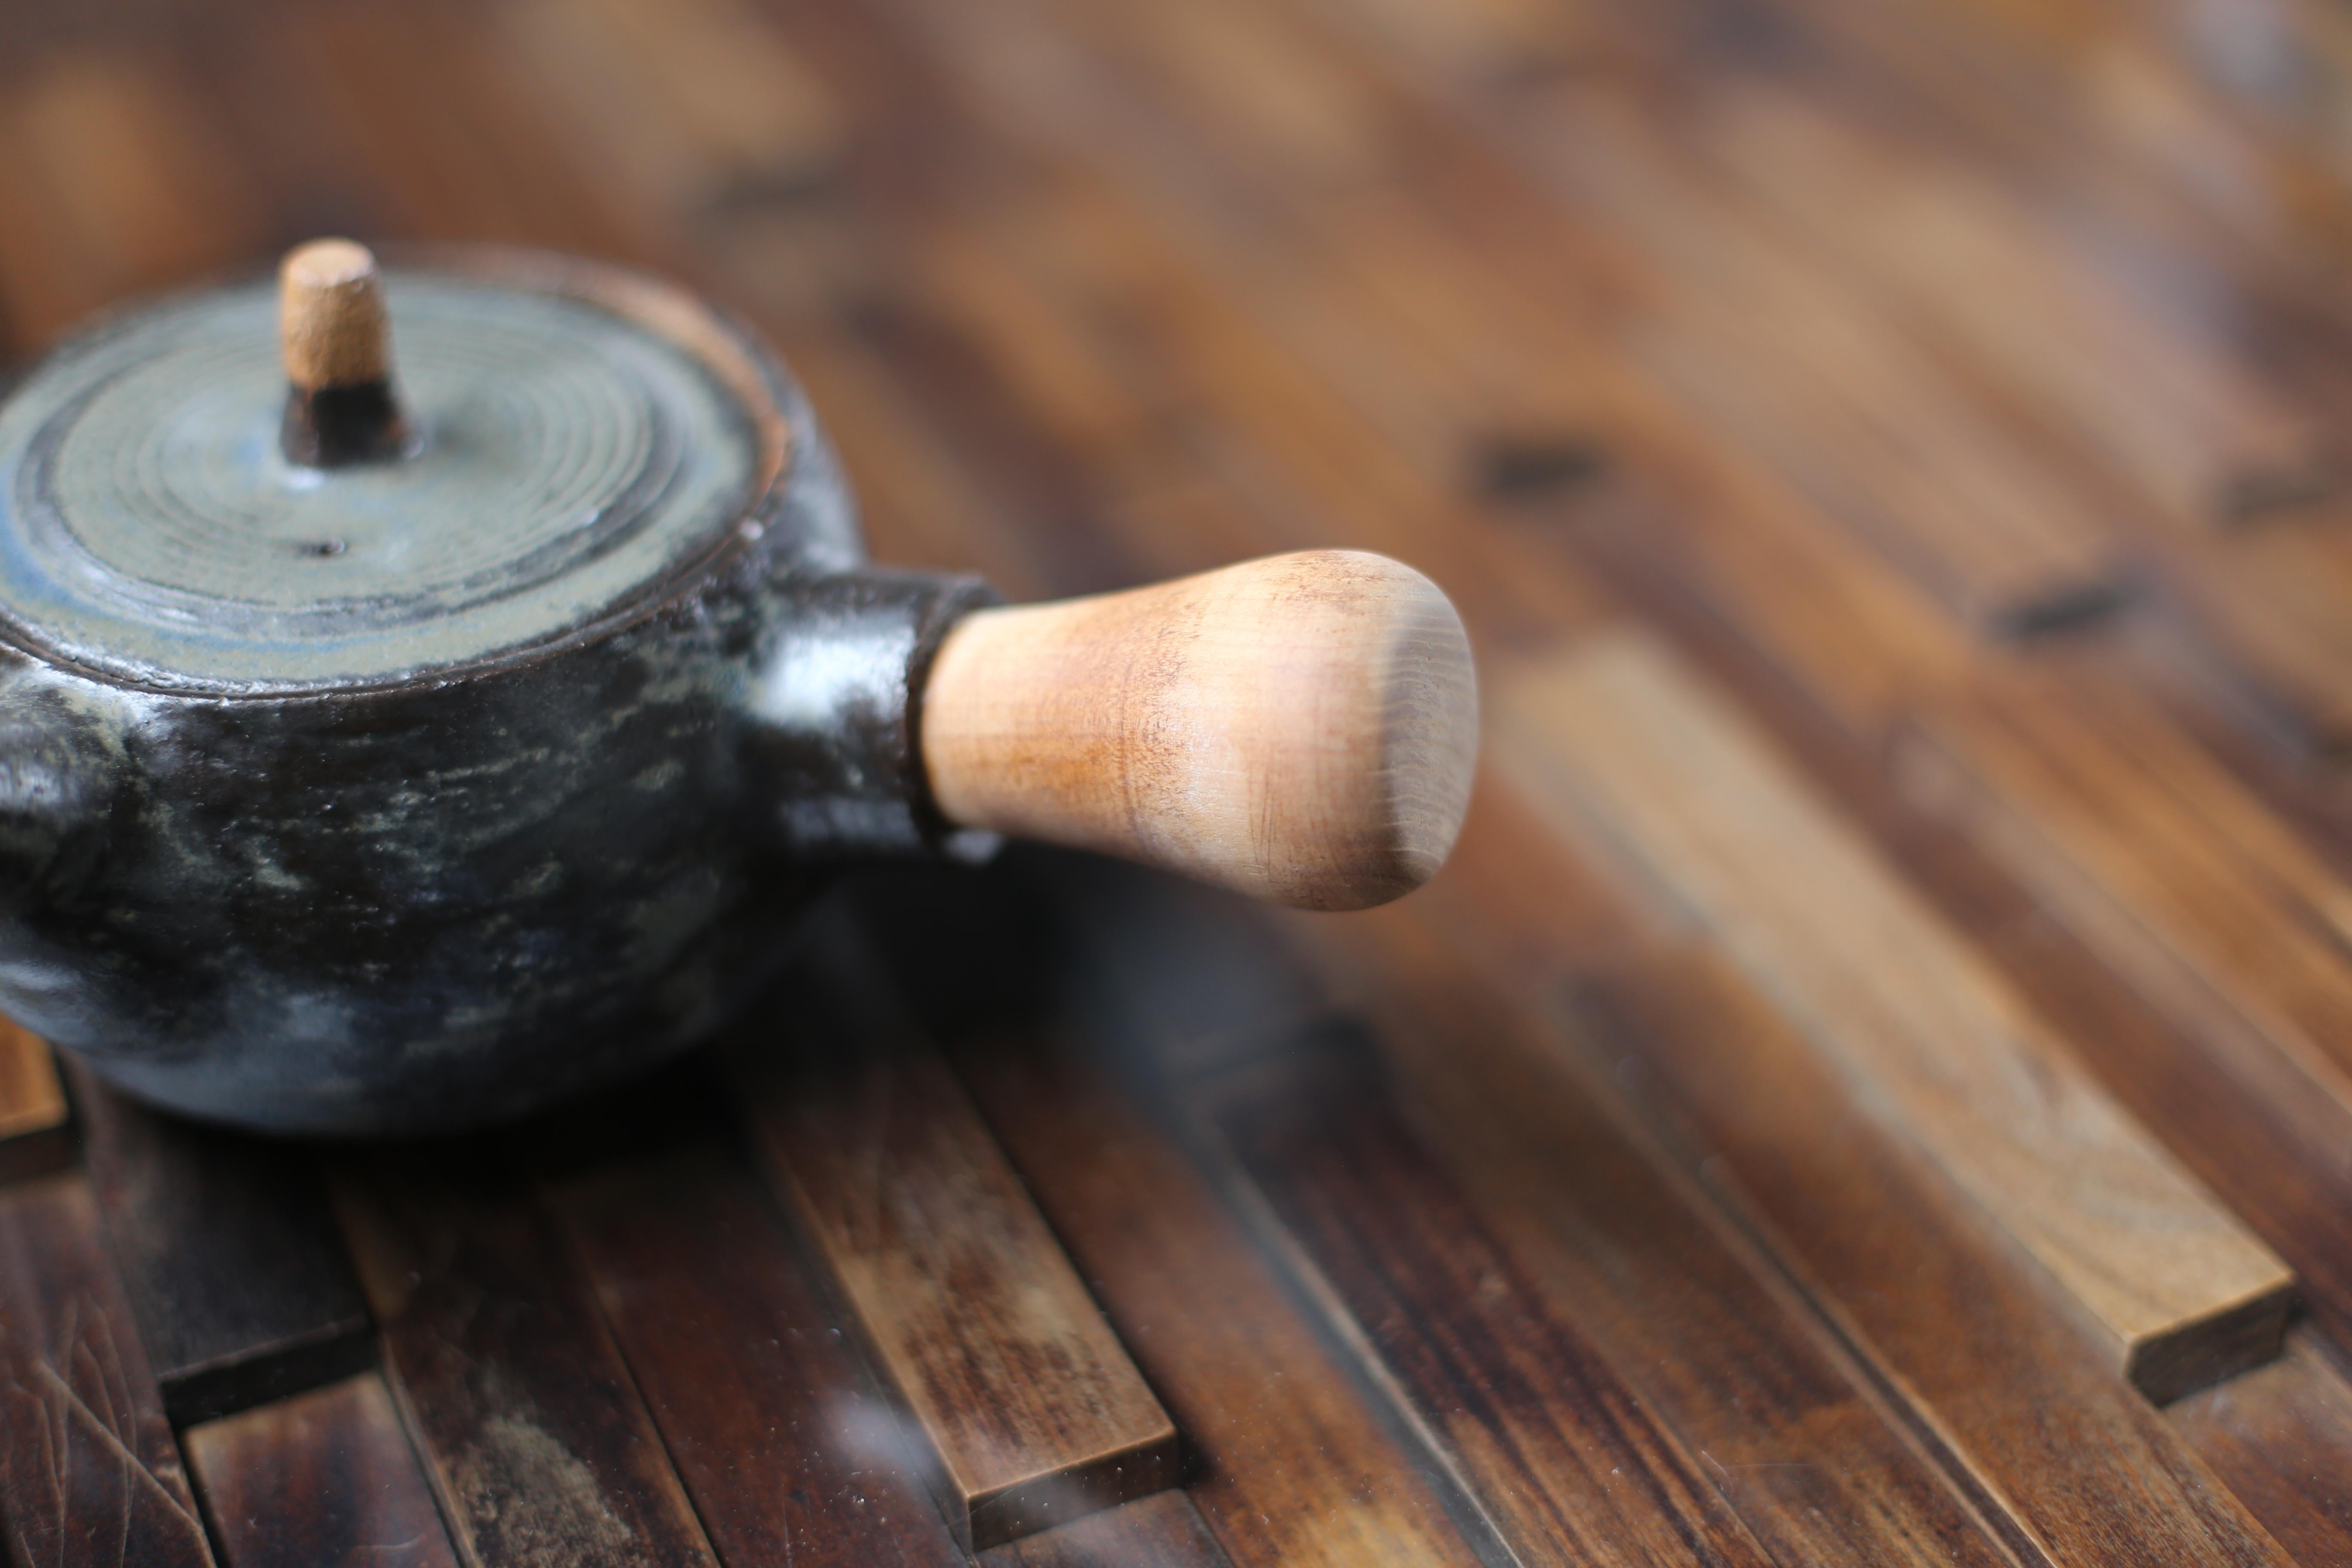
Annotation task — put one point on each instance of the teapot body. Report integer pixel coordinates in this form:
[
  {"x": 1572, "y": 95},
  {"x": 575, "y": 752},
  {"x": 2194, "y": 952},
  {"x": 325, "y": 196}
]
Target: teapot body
[{"x": 444, "y": 901}]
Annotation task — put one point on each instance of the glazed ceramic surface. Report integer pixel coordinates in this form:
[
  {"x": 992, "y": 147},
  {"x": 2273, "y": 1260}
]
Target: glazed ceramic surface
[{"x": 387, "y": 796}]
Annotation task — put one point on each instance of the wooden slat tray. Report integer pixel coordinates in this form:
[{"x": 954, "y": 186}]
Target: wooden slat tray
[{"x": 1871, "y": 1088}]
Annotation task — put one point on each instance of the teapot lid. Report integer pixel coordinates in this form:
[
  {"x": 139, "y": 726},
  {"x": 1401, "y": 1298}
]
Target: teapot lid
[{"x": 570, "y": 444}]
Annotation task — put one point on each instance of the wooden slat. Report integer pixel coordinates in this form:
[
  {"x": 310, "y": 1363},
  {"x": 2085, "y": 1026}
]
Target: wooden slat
[
  {"x": 1068, "y": 990},
  {"x": 1915, "y": 158},
  {"x": 1614, "y": 1237},
  {"x": 1301, "y": 456},
  {"x": 1624, "y": 748},
  {"x": 1811, "y": 379},
  {"x": 2011, "y": 293},
  {"x": 2158, "y": 856},
  {"x": 537, "y": 1446},
  {"x": 2281, "y": 1437},
  {"x": 1162, "y": 1531},
  {"x": 1709, "y": 1347},
  {"x": 129, "y": 188},
  {"x": 1297, "y": 1469},
  {"x": 440, "y": 136},
  {"x": 1483, "y": 262},
  {"x": 324, "y": 1480},
  {"x": 236, "y": 1275},
  {"x": 2270, "y": 600},
  {"x": 34, "y": 1121},
  {"x": 691, "y": 107},
  {"x": 1035, "y": 1412},
  {"x": 1736, "y": 320},
  {"x": 1332, "y": 369},
  {"x": 1618, "y": 1244},
  {"x": 1709, "y": 536},
  {"x": 1025, "y": 475},
  {"x": 89, "y": 1477},
  {"x": 789, "y": 1450},
  {"x": 2204, "y": 902},
  {"x": 1934, "y": 1301},
  {"x": 1569, "y": 1462}
]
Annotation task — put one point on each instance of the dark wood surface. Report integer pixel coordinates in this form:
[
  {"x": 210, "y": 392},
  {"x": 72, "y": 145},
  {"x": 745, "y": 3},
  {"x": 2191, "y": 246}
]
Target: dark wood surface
[
  {"x": 89, "y": 1472},
  {"x": 528, "y": 1423},
  {"x": 1031, "y": 1412},
  {"x": 1306, "y": 1474},
  {"x": 322, "y": 1480},
  {"x": 1956, "y": 396},
  {"x": 1162, "y": 1531},
  {"x": 787, "y": 1442},
  {"x": 229, "y": 1253},
  {"x": 1572, "y": 1461}
]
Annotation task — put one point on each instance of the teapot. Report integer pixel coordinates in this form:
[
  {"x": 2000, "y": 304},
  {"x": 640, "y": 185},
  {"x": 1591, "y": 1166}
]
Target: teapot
[{"x": 426, "y": 690}]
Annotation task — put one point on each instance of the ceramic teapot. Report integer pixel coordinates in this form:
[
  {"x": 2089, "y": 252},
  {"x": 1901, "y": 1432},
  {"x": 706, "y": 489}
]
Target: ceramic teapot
[{"x": 427, "y": 690}]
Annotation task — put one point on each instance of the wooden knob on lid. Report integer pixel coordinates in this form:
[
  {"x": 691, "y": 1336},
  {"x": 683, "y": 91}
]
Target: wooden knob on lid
[
  {"x": 1301, "y": 728},
  {"x": 335, "y": 338}
]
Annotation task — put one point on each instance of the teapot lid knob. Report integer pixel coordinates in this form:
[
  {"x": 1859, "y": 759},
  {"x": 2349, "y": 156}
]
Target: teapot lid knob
[{"x": 335, "y": 339}]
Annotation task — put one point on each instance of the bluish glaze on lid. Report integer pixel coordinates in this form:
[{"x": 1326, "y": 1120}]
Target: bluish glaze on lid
[{"x": 570, "y": 462}]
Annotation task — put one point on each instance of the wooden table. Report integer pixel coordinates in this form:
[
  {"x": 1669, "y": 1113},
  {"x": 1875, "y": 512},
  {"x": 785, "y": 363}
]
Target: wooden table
[{"x": 1875, "y": 1086}]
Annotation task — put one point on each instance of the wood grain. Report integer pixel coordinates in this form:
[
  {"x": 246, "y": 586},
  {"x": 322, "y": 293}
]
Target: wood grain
[
  {"x": 1162, "y": 1531},
  {"x": 1570, "y": 1463},
  {"x": 1297, "y": 1469},
  {"x": 1627, "y": 749},
  {"x": 789, "y": 1449},
  {"x": 1033, "y": 1412},
  {"x": 2140, "y": 839},
  {"x": 88, "y": 1473},
  {"x": 236, "y": 1275},
  {"x": 1933, "y": 1300},
  {"x": 1617, "y": 1238},
  {"x": 1892, "y": 330},
  {"x": 538, "y": 1447},
  {"x": 2281, "y": 1437},
  {"x": 2206, "y": 905},
  {"x": 693, "y": 109},
  {"x": 1069, "y": 992},
  {"x": 128, "y": 185},
  {"x": 324, "y": 1480},
  {"x": 2176, "y": 1066},
  {"x": 1302, "y": 728},
  {"x": 34, "y": 1121}
]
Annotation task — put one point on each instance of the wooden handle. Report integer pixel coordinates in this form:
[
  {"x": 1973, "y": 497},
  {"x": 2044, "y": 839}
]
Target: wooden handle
[{"x": 1302, "y": 728}]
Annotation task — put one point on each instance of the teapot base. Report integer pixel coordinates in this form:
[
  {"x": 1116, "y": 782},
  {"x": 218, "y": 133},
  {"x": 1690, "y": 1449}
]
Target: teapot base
[{"x": 373, "y": 1080}]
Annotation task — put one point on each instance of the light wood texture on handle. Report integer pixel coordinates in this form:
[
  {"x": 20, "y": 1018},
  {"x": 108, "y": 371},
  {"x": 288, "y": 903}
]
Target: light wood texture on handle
[
  {"x": 1301, "y": 728},
  {"x": 332, "y": 326}
]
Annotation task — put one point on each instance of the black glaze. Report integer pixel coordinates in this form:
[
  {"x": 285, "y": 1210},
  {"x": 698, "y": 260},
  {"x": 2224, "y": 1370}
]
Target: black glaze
[
  {"x": 333, "y": 425},
  {"x": 441, "y": 903}
]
